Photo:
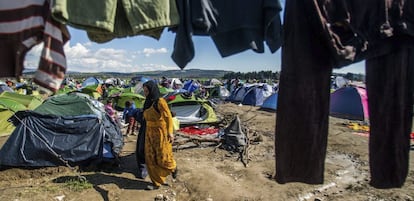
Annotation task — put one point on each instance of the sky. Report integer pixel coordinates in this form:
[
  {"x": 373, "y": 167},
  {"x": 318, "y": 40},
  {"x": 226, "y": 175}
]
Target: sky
[{"x": 142, "y": 53}]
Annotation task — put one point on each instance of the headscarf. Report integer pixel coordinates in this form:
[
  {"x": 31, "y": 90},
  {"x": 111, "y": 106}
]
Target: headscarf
[{"x": 153, "y": 94}]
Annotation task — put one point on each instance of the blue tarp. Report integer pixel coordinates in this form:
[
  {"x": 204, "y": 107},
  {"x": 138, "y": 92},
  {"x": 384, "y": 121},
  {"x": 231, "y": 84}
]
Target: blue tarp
[{"x": 39, "y": 139}]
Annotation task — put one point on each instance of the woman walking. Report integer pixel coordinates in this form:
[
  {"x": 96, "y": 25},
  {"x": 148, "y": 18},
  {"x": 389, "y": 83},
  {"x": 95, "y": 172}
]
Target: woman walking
[{"x": 158, "y": 137}]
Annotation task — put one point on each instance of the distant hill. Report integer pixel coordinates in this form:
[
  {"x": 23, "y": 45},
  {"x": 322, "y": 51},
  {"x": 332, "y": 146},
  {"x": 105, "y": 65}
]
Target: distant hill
[{"x": 190, "y": 73}]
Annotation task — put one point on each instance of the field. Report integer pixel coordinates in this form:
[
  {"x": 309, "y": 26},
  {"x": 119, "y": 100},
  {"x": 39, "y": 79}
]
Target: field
[{"x": 207, "y": 172}]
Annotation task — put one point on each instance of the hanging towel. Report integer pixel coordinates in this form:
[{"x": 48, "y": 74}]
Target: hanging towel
[
  {"x": 104, "y": 20},
  {"x": 24, "y": 25}
]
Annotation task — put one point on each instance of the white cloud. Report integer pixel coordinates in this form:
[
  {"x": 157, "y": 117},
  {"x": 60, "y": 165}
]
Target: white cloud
[
  {"x": 152, "y": 67},
  {"x": 76, "y": 51},
  {"x": 83, "y": 58},
  {"x": 150, "y": 51},
  {"x": 105, "y": 53}
]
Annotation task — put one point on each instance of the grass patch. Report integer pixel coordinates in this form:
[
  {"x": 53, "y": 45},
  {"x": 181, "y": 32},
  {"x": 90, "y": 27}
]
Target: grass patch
[{"x": 77, "y": 185}]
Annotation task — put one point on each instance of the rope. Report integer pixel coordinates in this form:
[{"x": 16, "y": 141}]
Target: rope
[{"x": 58, "y": 156}]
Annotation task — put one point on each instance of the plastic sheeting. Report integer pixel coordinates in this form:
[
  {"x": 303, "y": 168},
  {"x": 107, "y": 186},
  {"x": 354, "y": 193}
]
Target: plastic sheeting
[{"x": 39, "y": 140}]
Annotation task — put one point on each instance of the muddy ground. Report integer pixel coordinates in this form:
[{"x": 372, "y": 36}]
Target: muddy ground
[{"x": 210, "y": 173}]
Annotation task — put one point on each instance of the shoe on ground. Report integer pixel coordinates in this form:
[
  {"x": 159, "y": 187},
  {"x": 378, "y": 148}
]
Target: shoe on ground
[
  {"x": 175, "y": 173},
  {"x": 151, "y": 187}
]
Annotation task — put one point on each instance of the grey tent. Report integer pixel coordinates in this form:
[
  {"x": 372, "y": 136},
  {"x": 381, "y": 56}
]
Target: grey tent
[{"x": 45, "y": 139}]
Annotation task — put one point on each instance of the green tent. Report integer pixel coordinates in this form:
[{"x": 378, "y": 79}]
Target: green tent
[
  {"x": 114, "y": 90},
  {"x": 190, "y": 109},
  {"x": 65, "y": 89},
  {"x": 95, "y": 91},
  {"x": 71, "y": 104},
  {"x": 165, "y": 90},
  {"x": 120, "y": 99},
  {"x": 30, "y": 102},
  {"x": 10, "y": 103}
]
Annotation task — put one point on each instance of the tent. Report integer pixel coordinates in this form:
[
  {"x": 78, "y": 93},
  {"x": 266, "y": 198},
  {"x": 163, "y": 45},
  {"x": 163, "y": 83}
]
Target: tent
[
  {"x": 176, "y": 83},
  {"x": 92, "y": 86},
  {"x": 215, "y": 81},
  {"x": 138, "y": 82},
  {"x": 69, "y": 128},
  {"x": 251, "y": 94},
  {"x": 30, "y": 102},
  {"x": 349, "y": 102},
  {"x": 10, "y": 103},
  {"x": 138, "y": 79},
  {"x": 190, "y": 109},
  {"x": 270, "y": 103},
  {"x": 127, "y": 95},
  {"x": 191, "y": 85},
  {"x": 217, "y": 91},
  {"x": 91, "y": 81},
  {"x": 7, "y": 109},
  {"x": 95, "y": 91},
  {"x": 165, "y": 90},
  {"x": 237, "y": 94},
  {"x": 4, "y": 87},
  {"x": 256, "y": 94},
  {"x": 66, "y": 89}
]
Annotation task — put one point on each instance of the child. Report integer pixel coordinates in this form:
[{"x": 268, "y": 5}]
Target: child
[
  {"x": 128, "y": 116},
  {"x": 110, "y": 110}
]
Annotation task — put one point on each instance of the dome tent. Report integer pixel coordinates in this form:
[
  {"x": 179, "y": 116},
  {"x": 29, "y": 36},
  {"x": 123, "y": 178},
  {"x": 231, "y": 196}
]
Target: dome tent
[
  {"x": 349, "y": 102},
  {"x": 270, "y": 103},
  {"x": 72, "y": 127}
]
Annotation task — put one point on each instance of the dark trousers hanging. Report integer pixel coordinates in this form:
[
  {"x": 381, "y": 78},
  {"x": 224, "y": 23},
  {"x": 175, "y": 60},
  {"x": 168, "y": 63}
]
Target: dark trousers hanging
[
  {"x": 303, "y": 101},
  {"x": 303, "y": 107},
  {"x": 390, "y": 100}
]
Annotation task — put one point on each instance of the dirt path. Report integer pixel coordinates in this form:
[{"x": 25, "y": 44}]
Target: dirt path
[{"x": 208, "y": 173}]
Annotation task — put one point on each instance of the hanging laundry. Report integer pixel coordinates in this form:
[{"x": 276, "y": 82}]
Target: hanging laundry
[
  {"x": 353, "y": 31},
  {"x": 24, "y": 24},
  {"x": 104, "y": 20},
  {"x": 234, "y": 25},
  {"x": 317, "y": 32}
]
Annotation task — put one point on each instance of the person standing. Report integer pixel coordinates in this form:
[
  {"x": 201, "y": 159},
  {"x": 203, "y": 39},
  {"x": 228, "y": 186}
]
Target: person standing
[
  {"x": 158, "y": 137},
  {"x": 128, "y": 116},
  {"x": 110, "y": 110},
  {"x": 142, "y": 172}
]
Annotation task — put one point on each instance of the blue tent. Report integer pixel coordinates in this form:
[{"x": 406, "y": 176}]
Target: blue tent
[
  {"x": 253, "y": 96},
  {"x": 349, "y": 103},
  {"x": 270, "y": 103},
  {"x": 237, "y": 95},
  {"x": 91, "y": 81},
  {"x": 256, "y": 94}
]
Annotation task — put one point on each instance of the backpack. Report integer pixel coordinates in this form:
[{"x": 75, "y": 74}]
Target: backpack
[{"x": 234, "y": 137}]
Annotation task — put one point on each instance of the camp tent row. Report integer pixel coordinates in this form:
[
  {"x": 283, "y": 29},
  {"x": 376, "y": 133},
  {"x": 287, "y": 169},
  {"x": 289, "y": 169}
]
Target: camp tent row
[
  {"x": 250, "y": 94},
  {"x": 347, "y": 102}
]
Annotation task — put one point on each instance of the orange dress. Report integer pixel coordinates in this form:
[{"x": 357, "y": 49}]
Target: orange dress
[{"x": 158, "y": 150}]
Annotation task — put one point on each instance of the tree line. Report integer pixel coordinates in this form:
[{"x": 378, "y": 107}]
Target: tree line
[
  {"x": 269, "y": 75},
  {"x": 261, "y": 75}
]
